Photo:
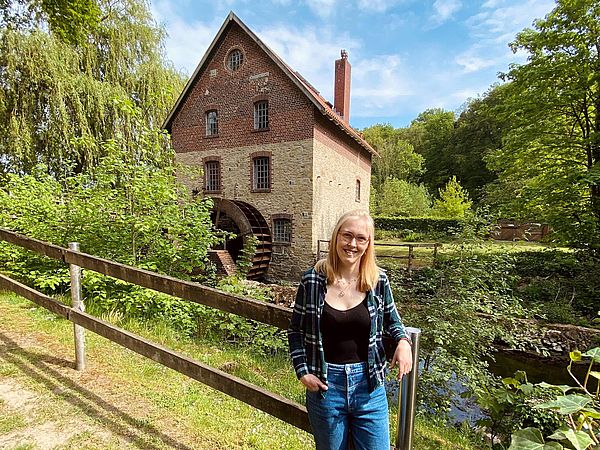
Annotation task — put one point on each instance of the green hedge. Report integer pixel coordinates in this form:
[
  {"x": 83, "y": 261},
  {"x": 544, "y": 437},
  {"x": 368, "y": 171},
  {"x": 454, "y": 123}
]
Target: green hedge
[{"x": 419, "y": 224}]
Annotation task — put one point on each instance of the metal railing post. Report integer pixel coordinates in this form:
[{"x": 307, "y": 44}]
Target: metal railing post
[
  {"x": 77, "y": 303},
  {"x": 407, "y": 396}
]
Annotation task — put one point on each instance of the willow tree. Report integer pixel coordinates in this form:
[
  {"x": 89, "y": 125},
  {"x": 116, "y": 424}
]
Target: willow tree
[
  {"x": 549, "y": 165},
  {"x": 62, "y": 100}
]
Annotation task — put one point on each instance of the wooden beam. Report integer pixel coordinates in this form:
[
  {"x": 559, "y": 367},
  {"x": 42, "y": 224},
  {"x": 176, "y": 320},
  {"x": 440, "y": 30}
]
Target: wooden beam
[
  {"x": 37, "y": 297},
  {"x": 270, "y": 314},
  {"x": 40, "y": 247},
  {"x": 273, "y": 404},
  {"x": 275, "y": 315}
]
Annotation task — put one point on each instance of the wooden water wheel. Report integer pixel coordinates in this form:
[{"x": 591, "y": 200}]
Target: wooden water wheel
[{"x": 245, "y": 220}]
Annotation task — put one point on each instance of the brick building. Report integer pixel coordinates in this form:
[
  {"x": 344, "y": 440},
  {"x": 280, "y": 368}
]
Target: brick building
[{"x": 280, "y": 161}]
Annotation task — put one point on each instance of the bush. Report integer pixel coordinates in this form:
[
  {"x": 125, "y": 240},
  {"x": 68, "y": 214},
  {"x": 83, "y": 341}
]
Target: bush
[
  {"x": 445, "y": 301},
  {"x": 419, "y": 224},
  {"x": 564, "y": 285}
]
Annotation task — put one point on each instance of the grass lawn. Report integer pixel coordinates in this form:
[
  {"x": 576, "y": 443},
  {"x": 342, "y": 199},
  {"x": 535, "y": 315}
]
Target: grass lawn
[
  {"x": 123, "y": 400},
  {"x": 424, "y": 256}
]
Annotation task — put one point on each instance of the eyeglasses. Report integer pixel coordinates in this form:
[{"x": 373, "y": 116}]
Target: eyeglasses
[{"x": 349, "y": 237}]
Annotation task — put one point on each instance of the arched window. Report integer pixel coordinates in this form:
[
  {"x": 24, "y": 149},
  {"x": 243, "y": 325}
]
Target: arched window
[{"x": 212, "y": 123}]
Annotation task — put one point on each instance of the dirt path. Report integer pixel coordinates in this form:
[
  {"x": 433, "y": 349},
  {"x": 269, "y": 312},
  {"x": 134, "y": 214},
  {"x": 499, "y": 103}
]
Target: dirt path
[{"x": 46, "y": 404}]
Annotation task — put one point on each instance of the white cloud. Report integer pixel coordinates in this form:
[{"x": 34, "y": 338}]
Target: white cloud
[
  {"x": 322, "y": 8},
  {"x": 186, "y": 41},
  {"x": 376, "y": 6},
  {"x": 444, "y": 10},
  {"x": 495, "y": 20},
  {"x": 379, "y": 84},
  {"x": 470, "y": 61},
  {"x": 310, "y": 51},
  {"x": 493, "y": 27}
]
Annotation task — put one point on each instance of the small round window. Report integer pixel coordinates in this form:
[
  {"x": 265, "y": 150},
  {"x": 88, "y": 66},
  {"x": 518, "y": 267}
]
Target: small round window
[{"x": 235, "y": 60}]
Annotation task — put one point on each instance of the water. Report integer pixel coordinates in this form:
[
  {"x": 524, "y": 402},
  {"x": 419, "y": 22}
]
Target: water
[{"x": 505, "y": 365}]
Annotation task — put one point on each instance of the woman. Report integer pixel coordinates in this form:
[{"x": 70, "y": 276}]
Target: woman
[{"x": 342, "y": 307}]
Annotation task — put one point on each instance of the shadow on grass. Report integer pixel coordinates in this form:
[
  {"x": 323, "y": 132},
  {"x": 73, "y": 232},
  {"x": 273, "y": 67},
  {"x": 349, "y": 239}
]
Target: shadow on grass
[{"x": 37, "y": 367}]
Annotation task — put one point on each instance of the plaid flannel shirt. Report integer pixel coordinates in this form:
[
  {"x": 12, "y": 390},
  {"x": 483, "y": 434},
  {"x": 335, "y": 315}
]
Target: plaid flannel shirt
[{"x": 304, "y": 333}]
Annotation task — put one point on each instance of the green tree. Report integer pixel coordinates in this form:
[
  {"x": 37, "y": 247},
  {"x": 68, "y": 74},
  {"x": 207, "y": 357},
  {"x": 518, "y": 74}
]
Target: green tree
[
  {"x": 549, "y": 166},
  {"x": 59, "y": 101},
  {"x": 402, "y": 198},
  {"x": 397, "y": 156},
  {"x": 454, "y": 202},
  {"x": 430, "y": 133},
  {"x": 477, "y": 132}
]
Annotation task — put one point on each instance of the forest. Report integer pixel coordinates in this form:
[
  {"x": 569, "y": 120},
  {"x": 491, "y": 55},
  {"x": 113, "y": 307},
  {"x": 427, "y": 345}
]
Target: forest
[{"x": 85, "y": 87}]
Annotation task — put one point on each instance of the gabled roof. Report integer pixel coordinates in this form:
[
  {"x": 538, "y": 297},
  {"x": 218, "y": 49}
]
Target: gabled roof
[{"x": 322, "y": 105}]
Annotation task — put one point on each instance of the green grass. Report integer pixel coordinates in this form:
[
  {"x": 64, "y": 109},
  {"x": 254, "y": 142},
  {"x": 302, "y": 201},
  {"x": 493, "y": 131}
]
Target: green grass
[
  {"x": 10, "y": 421},
  {"x": 156, "y": 400}
]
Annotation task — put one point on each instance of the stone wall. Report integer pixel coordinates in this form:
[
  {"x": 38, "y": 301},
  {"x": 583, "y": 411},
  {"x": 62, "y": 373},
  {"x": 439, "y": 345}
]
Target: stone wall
[
  {"x": 291, "y": 194},
  {"x": 336, "y": 170}
]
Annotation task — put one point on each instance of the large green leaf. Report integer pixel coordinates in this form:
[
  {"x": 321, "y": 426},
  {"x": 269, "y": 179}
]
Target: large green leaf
[
  {"x": 531, "y": 439},
  {"x": 579, "y": 439},
  {"x": 561, "y": 387},
  {"x": 593, "y": 353},
  {"x": 566, "y": 404}
]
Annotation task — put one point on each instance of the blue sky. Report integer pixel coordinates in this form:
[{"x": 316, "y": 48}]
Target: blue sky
[{"x": 406, "y": 55}]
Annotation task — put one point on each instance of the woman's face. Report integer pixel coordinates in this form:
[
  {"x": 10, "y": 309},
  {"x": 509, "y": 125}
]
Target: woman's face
[{"x": 352, "y": 240}]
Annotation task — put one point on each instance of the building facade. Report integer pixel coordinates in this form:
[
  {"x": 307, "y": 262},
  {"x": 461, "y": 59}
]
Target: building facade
[{"x": 279, "y": 160}]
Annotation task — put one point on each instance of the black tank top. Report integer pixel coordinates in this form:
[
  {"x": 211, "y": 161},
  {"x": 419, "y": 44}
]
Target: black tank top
[{"x": 346, "y": 334}]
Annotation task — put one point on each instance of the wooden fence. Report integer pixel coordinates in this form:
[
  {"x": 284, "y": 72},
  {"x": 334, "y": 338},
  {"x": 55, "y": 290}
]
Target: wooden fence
[
  {"x": 270, "y": 314},
  {"x": 278, "y": 316},
  {"x": 323, "y": 248}
]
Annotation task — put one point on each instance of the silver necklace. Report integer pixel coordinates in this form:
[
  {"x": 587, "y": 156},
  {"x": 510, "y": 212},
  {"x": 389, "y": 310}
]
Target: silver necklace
[{"x": 343, "y": 291}]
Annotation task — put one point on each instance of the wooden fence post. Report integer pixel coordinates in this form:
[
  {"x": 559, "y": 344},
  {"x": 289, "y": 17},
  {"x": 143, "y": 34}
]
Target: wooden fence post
[{"x": 77, "y": 303}]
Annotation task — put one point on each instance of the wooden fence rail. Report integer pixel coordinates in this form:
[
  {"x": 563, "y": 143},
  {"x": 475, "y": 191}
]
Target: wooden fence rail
[
  {"x": 271, "y": 403},
  {"x": 323, "y": 248},
  {"x": 275, "y": 315}
]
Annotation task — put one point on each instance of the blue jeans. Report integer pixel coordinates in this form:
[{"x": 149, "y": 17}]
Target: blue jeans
[{"x": 347, "y": 410}]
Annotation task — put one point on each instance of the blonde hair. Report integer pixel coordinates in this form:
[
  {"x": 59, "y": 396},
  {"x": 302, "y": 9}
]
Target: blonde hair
[{"x": 368, "y": 271}]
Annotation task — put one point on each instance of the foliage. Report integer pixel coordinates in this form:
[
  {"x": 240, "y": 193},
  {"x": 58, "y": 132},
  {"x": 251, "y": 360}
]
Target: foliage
[
  {"x": 397, "y": 158},
  {"x": 70, "y": 20},
  {"x": 509, "y": 405},
  {"x": 264, "y": 339},
  {"x": 418, "y": 224},
  {"x": 447, "y": 302},
  {"x": 60, "y": 102},
  {"x": 129, "y": 209},
  {"x": 549, "y": 165},
  {"x": 244, "y": 261},
  {"x": 578, "y": 407},
  {"x": 454, "y": 202},
  {"x": 563, "y": 285},
  {"x": 477, "y": 131},
  {"x": 402, "y": 198},
  {"x": 429, "y": 134}
]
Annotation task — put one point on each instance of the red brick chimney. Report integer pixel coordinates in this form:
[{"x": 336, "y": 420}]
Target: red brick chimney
[{"x": 341, "y": 87}]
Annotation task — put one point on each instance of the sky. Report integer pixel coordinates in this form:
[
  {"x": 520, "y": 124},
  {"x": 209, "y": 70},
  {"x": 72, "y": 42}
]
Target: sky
[{"x": 406, "y": 55}]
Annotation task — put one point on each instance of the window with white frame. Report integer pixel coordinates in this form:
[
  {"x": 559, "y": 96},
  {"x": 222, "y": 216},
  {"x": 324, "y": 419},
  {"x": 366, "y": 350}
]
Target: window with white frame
[
  {"x": 261, "y": 176},
  {"x": 212, "y": 123},
  {"x": 261, "y": 115},
  {"x": 212, "y": 176},
  {"x": 282, "y": 230}
]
